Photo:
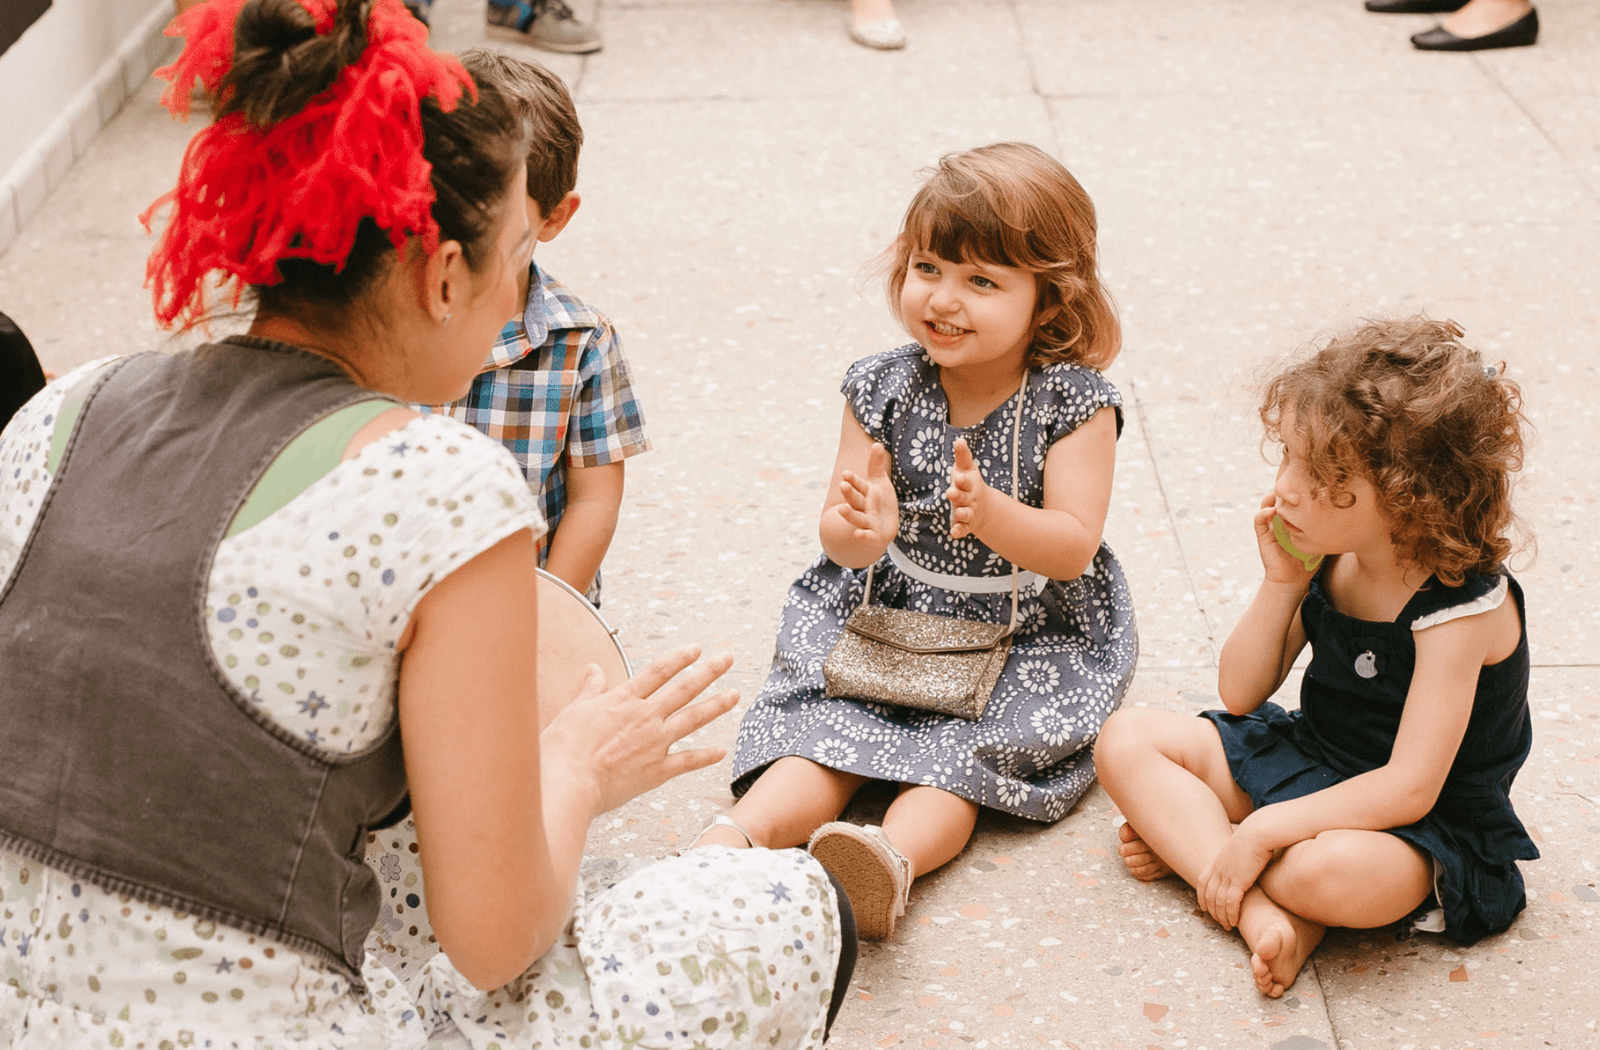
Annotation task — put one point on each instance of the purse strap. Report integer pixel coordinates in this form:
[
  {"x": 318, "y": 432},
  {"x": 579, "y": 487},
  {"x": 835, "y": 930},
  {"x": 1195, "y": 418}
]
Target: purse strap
[{"x": 1016, "y": 476}]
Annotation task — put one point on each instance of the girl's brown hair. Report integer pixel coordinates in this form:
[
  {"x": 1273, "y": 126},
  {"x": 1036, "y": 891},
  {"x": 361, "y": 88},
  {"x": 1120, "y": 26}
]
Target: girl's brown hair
[
  {"x": 1439, "y": 435},
  {"x": 1012, "y": 204}
]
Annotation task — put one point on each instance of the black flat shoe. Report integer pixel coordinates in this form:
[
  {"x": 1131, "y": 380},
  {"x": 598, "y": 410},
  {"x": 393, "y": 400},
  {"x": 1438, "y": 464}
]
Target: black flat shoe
[
  {"x": 1414, "y": 7},
  {"x": 1521, "y": 33}
]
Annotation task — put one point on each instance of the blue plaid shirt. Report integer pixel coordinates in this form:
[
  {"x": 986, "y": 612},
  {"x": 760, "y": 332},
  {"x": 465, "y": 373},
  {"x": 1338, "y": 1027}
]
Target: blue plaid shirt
[{"x": 556, "y": 392}]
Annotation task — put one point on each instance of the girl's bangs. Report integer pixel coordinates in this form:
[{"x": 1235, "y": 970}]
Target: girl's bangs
[{"x": 961, "y": 229}]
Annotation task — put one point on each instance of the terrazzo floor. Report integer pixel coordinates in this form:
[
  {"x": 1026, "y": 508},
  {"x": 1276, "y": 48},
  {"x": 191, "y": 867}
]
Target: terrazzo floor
[{"x": 1264, "y": 173}]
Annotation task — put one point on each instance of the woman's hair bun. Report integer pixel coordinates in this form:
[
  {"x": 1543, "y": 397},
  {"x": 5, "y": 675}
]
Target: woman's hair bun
[{"x": 281, "y": 62}]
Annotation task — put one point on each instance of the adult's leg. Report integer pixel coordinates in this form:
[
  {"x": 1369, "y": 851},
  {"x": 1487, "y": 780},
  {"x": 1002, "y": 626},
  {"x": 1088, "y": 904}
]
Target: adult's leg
[
  {"x": 1482, "y": 17},
  {"x": 792, "y": 798},
  {"x": 865, "y": 11},
  {"x": 873, "y": 24}
]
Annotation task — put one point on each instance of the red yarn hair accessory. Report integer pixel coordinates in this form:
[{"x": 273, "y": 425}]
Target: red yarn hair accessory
[{"x": 248, "y": 196}]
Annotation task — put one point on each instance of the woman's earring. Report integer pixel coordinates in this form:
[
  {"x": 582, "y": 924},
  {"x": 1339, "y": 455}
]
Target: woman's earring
[{"x": 446, "y": 318}]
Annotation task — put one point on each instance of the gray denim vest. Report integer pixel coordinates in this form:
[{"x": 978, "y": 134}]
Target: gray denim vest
[{"x": 126, "y": 758}]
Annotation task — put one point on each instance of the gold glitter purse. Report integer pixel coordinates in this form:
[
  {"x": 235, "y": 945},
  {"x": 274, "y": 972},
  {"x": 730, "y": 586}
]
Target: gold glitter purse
[{"x": 922, "y": 660}]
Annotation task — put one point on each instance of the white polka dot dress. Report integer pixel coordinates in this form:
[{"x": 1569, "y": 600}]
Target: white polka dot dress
[{"x": 303, "y": 612}]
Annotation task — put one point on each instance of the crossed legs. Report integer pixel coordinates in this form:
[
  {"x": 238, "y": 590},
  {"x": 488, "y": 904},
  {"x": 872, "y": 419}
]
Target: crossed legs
[{"x": 1169, "y": 776}]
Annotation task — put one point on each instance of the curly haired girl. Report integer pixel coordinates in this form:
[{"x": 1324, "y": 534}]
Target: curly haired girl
[{"x": 1384, "y": 541}]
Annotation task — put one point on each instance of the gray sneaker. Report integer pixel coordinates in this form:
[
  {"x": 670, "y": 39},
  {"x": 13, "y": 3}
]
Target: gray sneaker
[{"x": 547, "y": 24}]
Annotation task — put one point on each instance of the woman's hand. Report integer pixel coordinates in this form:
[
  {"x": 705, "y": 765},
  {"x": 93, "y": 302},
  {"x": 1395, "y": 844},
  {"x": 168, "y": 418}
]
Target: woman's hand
[
  {"x": 1282, "y": 568},
  {"x": 614, "y": 746},
  {"x": 870, "y": 506},
  {"x": 1223, "y": 884},
  {"x": 968, "y": 492}
]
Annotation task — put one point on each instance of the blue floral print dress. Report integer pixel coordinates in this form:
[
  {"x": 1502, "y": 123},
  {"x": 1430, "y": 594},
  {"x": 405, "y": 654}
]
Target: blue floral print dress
[{"x": 1074, "y": 652}]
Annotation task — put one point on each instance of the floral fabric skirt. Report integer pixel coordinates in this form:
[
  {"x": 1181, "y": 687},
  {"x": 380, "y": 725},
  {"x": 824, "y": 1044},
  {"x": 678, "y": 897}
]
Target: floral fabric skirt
[{"x": 717, "y": 947}]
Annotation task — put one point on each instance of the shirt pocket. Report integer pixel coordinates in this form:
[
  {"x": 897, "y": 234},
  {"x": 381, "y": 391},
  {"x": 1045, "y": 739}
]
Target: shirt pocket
[{"x": 531, "y": 414}]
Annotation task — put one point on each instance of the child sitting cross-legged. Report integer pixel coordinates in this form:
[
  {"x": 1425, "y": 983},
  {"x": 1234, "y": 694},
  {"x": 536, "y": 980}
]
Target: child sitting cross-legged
[{"x": 1384, "y": 543}]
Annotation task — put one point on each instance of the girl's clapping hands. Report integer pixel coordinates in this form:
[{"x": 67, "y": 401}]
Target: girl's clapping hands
[
  {"x": 968, "y": 492},
  {"x": 870, "y": 505}
]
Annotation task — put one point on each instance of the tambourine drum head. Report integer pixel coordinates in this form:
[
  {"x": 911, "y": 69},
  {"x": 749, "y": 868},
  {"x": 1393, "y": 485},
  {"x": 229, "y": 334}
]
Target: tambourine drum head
[{"x": 572, "y": 635}]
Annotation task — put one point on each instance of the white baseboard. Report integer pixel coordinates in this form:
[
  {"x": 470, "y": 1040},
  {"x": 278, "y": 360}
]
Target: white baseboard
[{"x": 25, "y": 187}]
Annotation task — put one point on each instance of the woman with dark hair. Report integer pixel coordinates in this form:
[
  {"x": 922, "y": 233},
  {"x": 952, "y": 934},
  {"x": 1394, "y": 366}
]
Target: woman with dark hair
[
  {"x": 20, "y": 374},
  {"x": 252, "y": 608}
]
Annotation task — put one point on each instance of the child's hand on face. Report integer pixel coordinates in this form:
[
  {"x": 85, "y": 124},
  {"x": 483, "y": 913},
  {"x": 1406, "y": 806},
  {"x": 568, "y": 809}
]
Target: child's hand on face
[
  {"x": 968, "y": 492},
  {"x": 1281, "y": 566},
  {"x": 870, "y": 504}
]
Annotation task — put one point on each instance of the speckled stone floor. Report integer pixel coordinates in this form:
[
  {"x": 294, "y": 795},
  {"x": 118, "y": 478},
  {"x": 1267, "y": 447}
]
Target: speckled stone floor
[{"x": 1264, "y": 172}]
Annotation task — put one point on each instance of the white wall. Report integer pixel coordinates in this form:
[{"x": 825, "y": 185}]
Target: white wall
[{"x": 60, "y": 83}]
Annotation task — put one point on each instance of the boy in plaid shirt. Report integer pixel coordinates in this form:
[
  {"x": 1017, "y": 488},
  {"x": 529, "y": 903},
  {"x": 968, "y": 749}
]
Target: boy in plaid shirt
[{"x": 555, "y": 390}]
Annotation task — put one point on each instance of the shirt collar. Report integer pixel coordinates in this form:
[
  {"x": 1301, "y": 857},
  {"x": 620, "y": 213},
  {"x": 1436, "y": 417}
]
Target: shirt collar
[{"x": 550, "y": 308}]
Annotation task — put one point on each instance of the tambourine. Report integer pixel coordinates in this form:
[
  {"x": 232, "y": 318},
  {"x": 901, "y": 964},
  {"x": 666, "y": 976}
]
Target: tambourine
[{"x": 573, "y": 635}]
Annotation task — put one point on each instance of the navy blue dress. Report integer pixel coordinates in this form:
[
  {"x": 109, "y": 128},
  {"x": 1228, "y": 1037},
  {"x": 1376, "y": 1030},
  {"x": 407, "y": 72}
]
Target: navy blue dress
[{"x": 1351, "y": 700}]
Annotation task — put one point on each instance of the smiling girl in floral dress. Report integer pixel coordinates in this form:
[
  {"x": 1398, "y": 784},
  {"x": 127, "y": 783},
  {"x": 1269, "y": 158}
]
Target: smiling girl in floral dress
[{"x": 994, "y": 274}]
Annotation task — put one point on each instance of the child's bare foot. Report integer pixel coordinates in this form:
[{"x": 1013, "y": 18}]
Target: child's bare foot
[
  {"x": 1142, "y": 862},
  {"x": 1279, "y": 946}
]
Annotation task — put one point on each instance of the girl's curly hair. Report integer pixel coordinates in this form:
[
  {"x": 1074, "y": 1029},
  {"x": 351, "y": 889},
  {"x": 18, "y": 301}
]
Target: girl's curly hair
[
  {"x": 1404, "y": 404},
  {"x": 1012, "y": 204}
]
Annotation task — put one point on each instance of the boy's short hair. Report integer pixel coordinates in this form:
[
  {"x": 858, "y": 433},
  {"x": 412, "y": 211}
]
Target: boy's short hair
[{"x": 538, "y": 97}]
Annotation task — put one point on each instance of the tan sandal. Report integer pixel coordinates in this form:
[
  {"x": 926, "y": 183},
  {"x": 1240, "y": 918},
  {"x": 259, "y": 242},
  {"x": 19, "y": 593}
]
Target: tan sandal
[
  {"x": 875, "y": 875},
  {"x": 722, "y": 820}
]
